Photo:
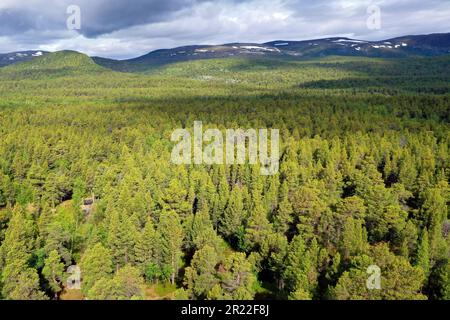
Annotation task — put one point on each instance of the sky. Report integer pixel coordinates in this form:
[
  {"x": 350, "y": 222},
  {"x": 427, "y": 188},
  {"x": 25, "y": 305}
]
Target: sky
[{"x": 129, "y": 28}]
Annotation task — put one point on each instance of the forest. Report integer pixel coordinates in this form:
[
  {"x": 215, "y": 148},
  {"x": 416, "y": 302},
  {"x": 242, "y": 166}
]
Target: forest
[{"x": 86, "y": 180}]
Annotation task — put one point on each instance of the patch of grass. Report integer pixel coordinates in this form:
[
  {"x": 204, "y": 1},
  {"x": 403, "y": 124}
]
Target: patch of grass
[
  {"x": 71, "y": 295},
  {"x": 164, "y": 289},
  {"x": 160, "y": 291}
]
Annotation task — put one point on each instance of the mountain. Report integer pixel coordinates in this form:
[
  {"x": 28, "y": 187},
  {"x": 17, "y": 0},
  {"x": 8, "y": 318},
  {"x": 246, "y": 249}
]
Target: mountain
[
  {"x": 7, "y": 59},
  {"x": 57, "y": 64},
  {"x": 401, "y": 47},
  {"x": 425, "y": 45}
]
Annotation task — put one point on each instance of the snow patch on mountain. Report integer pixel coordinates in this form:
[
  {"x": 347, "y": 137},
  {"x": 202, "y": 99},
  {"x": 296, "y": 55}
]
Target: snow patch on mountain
[
  {"x": 350, "y": 41},
  {"x": 260, "y": 48}
]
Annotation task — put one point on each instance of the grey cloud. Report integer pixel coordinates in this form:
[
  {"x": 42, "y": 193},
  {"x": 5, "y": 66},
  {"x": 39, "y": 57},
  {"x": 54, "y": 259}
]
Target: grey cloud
[
  {"x": 15, "y": 21},
  {"x": 98, "y": 16},
  {"x": 108, "y": 16},
  {"x": 121, "y": 28}
]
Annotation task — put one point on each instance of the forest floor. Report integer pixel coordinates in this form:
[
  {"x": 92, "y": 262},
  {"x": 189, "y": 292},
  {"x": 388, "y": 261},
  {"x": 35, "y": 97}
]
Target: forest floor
[
  {"x": 153, "y": 292},
  {"x": 160, "y": 291},
  {"x": 71, "y": 295}
]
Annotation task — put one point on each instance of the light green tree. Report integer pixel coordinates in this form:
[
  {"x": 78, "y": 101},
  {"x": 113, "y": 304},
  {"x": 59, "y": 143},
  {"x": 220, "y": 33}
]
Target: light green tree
[
  {"x": 96, "y": 264},
  {"x": 127, "y": 284},
  {"x": 172, "y": 236},
  {"x": 54, "y": 272}
]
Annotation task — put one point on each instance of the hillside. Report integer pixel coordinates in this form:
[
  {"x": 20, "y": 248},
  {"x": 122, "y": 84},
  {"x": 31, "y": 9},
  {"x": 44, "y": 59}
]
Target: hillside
[
  {"x": 57, "y": 64},
  {"x": 408, "y": 46}
]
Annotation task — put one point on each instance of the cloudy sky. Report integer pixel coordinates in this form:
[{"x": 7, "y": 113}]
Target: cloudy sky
[{"x": 128, "y": 28}]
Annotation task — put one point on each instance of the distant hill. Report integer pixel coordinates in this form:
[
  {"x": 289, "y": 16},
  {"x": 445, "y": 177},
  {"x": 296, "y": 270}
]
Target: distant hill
[
  {"x": 408, "y": 46},
  {"x": 57, "y": 64},
  {"x": 7, "y": 59},
  {"x": 402, "y": 47}
]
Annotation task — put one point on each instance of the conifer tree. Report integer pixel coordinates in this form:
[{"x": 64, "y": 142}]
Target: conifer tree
[
  {"x": 147, "y": 251},
  {"x": 25, "y": 287},
  {"x": 223, "y": 194},
  {"x": 300, "y": 274},
  {"x": 121, "y": 240},
  {"x": 127, "y": 284},
  {"x": 423, "y": 253},
  {"x": 354, "y": 238},
  {"x": 202, "y": 231},
  {"x": 19, "y": 280},
  {"x": 258, "y": 226},
  {"x": 284, "y": 213},
  {"x": 171, "y": 232},
  {"x": 237, "y": 278},
  {"x": 233, "y": 216},
  {"x": 54, "y": 272},
  {"x": 434, "y": 211},
  {"x": 200, "y": 277},
  {"x": 96, "y": 264}
]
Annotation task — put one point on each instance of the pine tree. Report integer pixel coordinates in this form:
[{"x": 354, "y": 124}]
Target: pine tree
[
  {"x": 6, "y": 190},
  {"x": 300, "y": 274},
  {"x": 147, "y": 247},
  {"x": 284, "y": 213},
  {"x": 352, "y": 207},
  {"x": 354, "y": 238},
  {"x": 408, "y": 172},
  {"x": 61, "y": 233},
  {"x": 434, "y": 212},
  {"x": 19, "y": 237},
  {"x": 20, "y": 281},
  {"x": 308, "y": 208},
  {"x": 258, "y": 227},
  {"x": 271, "y": 195},
  {"x": 223, "y": 194},
  {"x": 26, "y": 286},
  {"x": 423, "y": 253},
  {"x": 200, "y": 277},
  {"x": 96, "y": 264},
  {"x": 399, "y": 280},
  {"x": 79, "y": 191},
  {"x": 446, "y": 283},
  {"x": 237, "y": 277},
  {"x": 127, "y": 284},
  {"x": 216, "y": 293},
  {"x": 202, "y": 231},
  {"x": 171, "y": 232},
  {"x": 121, "y": 239},
  {"x": 233, "y": 217},
  {"x": 176, "y": 199},
  {"x": 54, "y": 272}
]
